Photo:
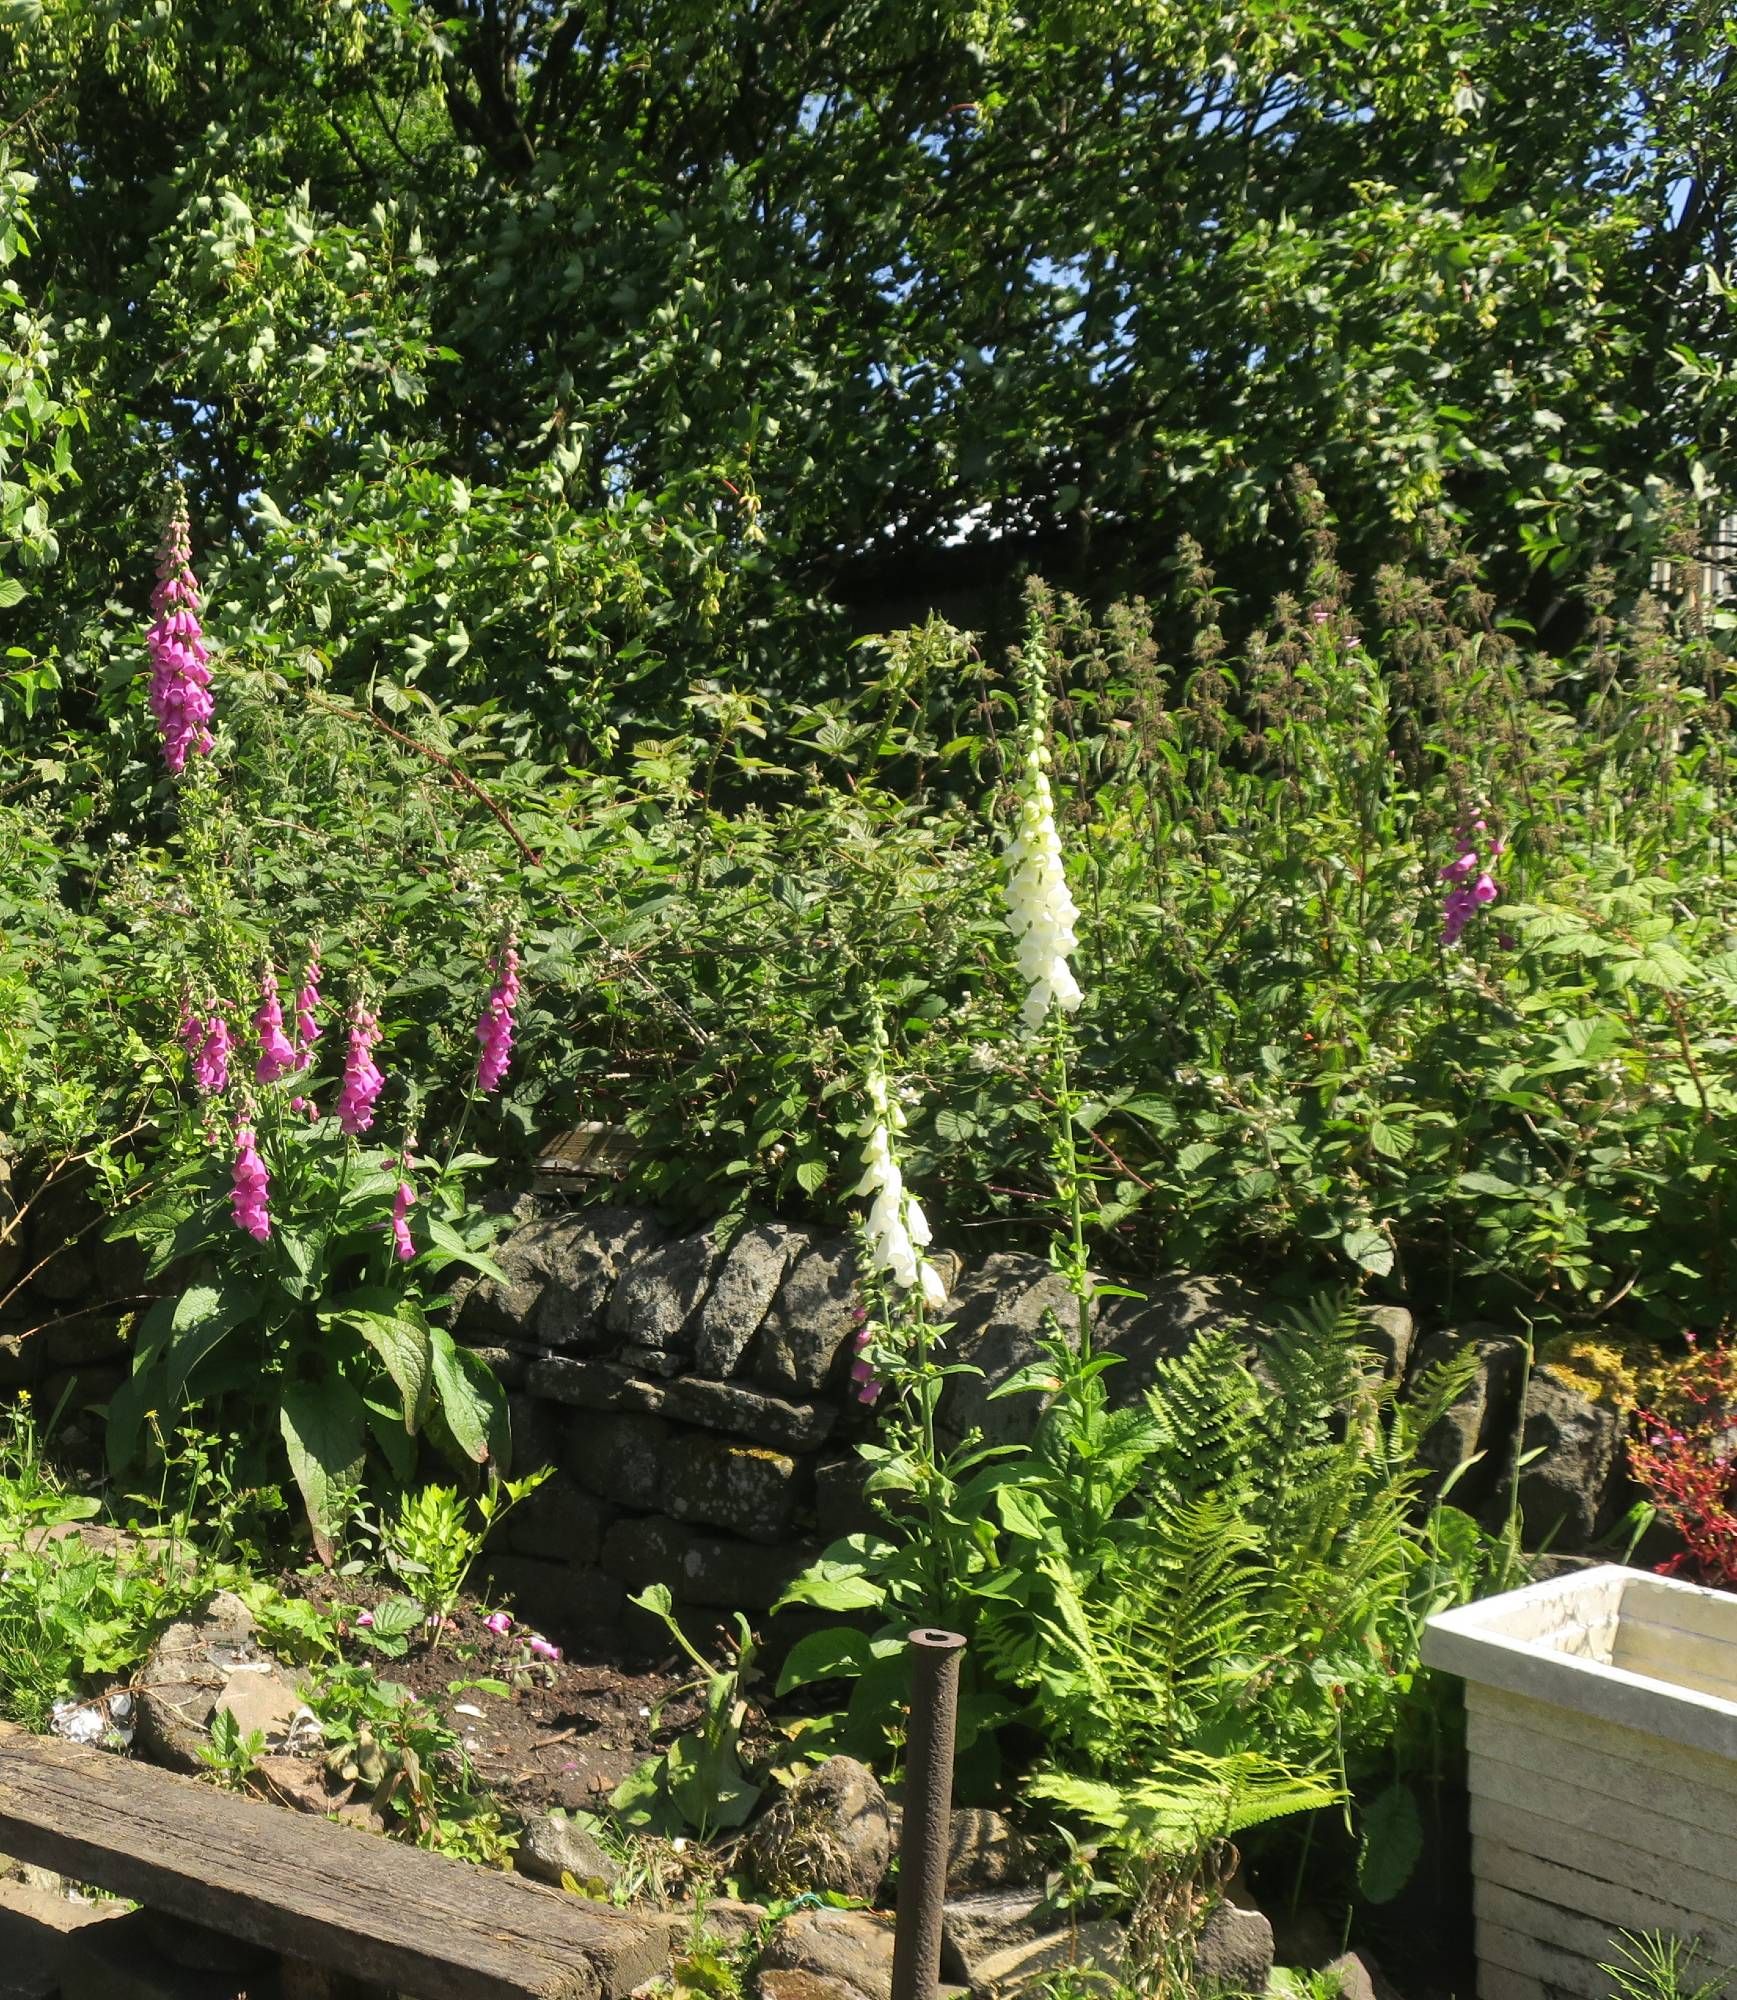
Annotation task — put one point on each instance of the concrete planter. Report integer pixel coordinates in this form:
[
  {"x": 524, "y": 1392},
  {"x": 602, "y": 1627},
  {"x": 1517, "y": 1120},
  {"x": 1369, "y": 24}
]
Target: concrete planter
[{"x": 1602, "y": 1726}]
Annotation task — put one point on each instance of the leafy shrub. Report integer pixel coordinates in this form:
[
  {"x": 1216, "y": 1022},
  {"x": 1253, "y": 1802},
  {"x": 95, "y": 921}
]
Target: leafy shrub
[
  {"x": 1220, "y": 1591},
  {"x": 1681, "y": 1459}
]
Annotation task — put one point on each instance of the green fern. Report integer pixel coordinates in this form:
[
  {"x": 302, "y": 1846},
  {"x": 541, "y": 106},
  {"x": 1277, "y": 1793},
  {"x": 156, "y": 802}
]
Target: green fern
[{"x": 1191, "y": 1801}]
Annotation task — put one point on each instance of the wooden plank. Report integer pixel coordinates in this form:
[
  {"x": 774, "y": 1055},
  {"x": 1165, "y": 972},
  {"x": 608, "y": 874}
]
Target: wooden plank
[{"x": 433, "y": 1927}]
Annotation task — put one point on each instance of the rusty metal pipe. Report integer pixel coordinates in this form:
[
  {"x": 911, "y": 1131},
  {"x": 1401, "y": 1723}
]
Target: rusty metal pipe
[{"x": 924, "y": 1842}]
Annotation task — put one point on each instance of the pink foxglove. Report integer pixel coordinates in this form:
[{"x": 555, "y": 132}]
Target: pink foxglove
[
  {"x": 180, "y": 691},
  {"x": 249, "y": 1185}
]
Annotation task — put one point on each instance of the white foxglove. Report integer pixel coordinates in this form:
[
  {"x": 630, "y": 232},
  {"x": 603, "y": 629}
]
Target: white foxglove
[
  {"x": 898, "y": 1230},
  {"x": 1040, "y": 910}
]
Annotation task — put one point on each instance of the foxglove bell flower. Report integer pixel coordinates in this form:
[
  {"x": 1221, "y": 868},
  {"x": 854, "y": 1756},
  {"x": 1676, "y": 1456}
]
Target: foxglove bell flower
[
  {"x": 307, "y": 1013},
  {"x": 495, "y": 1029},
  {"x": 898, "y": 1230},
  {"x": 362, "y": 1080},
  {"x": 402, "y": 1202},
  {"x": 180, "y": 690},
  {"x": 865, "y": 1384},
  {"x": 1471, "y": 886},
  {"x": 249, "y": 1185},
  {"x": 277, "y": 1056},
  {"x": 211, "y": 1063},
  {"x": 1040, "y": 909}
]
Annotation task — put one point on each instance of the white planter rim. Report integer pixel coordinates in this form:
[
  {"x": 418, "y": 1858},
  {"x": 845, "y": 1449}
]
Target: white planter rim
[{"x": 1553, "y": 1642}]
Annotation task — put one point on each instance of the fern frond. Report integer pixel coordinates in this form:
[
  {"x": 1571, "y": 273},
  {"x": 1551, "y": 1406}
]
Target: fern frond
[{"x": 1190, "y": 1802}]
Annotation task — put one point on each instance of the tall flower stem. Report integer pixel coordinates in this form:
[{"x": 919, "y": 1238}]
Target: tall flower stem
[{"x": 1070, "y": 1186}]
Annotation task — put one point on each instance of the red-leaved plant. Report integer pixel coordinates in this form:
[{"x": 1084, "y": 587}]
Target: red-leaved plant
[{"x": 1685, "y": 1461}]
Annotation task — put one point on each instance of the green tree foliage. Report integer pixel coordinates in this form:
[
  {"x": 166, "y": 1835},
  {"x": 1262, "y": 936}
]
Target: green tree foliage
[{"x": 573, "y": 342}]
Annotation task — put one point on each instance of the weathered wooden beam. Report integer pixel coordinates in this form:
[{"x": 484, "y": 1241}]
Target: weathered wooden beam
[{"x": 429, "y": 1926}]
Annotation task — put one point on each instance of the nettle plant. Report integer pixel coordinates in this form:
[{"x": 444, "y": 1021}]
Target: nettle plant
[
  {"x": 311, "y": 1249},
  {"x": 1207, "y": 1605}
]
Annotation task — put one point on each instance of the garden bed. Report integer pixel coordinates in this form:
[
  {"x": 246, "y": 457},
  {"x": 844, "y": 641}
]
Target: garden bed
[{"x": 568, "y": 1731}]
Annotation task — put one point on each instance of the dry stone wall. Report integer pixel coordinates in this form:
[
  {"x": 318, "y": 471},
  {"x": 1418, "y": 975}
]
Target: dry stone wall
[
  {"x": 692, "y": 1392},
  {"x": 691, "y": 1389}
]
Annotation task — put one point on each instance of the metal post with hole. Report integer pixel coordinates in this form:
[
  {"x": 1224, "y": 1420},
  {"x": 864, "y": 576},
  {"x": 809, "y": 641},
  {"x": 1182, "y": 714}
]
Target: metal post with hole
[{"x": 923, "y": 1845}]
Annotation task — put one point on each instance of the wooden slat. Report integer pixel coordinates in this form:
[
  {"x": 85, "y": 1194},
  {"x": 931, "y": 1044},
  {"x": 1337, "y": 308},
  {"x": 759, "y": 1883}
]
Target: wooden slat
[{"x": 433, "y": 1927}]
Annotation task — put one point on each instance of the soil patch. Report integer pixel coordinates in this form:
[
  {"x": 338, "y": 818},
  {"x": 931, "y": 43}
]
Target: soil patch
[{"x": 566, "y": 1732}]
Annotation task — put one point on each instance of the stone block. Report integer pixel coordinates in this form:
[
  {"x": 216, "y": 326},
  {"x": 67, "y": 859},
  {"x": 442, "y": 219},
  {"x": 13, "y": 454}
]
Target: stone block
[
  {"x": 590, "y": 1384},
  {"x": 800, "y": 1347},
  {"x": 1001, "y": 1315},
  {"x": 560, "y": 1270},
  {"x": 847, "y": 1946},
  {"x": 62, "y": 1230},
  {"x": 122, "y": 1960},
  {"x": 733, "y": 1407},
  {"x": 1176, "y": 1309},
  {"x": 78, "y": 1340},
  {"x": 710, "y": 1571},
  {"x": 79, "y": 1388},
  {"x": 203, "y": 1663},
  {"x": 508, "y": 1365},
  {"x": 539, "y": 1431},
  {"x": 749, "y": 1489},
  {"x": 1485, "y": 1417},
  {"x": 985, "y": 1850},
  {"x": 560, "y": 1522},
  {"x": 553, "y": 1844},
  {"x": 830, "y": 1834},
  {"x": 975, "y": 1928},
  {"x": 1390, "y": 1333},
  {"x": 1234, "y": 1951},
  {"x": 745, "y": 1284},
  {"x": 840, "y": 1505},
  {"x": 623, "y": 1458},
  {"x": 655, "y": 1363},
  {"x": 570, "y": 1603},
  {"x": 1091, "y": 1947},
  {"x": 657, "y": 1298},
  {"x": 748, "y": 1413},
  {"x": 34, "y": 1923},
  {"x": 1567, "y": 1491}
]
